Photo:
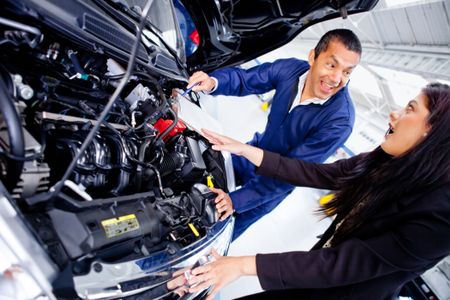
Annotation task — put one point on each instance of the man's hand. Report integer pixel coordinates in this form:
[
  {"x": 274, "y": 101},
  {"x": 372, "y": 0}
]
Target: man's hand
[
  {"x": 206, "y": 82},
  {"x": 224, "y": 206}
]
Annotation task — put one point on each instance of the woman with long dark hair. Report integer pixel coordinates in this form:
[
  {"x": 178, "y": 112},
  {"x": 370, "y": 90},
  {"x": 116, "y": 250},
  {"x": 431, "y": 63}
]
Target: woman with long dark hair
[{"x": 392, "y": 208}]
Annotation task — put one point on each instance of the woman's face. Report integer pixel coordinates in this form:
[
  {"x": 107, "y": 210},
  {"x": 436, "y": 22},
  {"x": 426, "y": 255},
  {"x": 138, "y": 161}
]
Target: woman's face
[{"x": 407, "y": 127}]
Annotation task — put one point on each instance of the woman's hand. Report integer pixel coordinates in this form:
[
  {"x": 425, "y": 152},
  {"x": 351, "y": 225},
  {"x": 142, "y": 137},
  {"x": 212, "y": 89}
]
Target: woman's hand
[
  {"x": 224, "y": 143},
  {"x": 224, "y": 206},
  {"x": 220, "y": 272},
  {"x": 179, "y": 282}
]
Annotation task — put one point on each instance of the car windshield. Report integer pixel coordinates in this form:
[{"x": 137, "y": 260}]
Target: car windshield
[{"x": 162, "y": 23}]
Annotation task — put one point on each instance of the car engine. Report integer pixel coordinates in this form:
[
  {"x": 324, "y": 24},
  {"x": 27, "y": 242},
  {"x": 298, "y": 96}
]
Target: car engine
[{"x": 140, "y": 185}]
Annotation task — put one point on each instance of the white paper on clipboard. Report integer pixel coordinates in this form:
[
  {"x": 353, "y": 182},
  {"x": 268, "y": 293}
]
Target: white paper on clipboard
[{"x": 196, "y": 118}]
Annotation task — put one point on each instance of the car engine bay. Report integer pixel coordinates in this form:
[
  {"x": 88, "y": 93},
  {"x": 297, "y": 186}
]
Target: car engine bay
[{"x": 139, "y": 187}]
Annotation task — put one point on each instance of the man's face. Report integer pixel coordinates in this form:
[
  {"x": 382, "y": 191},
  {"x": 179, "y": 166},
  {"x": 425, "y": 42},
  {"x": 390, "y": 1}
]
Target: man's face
[{"x": 330, "y": 71}]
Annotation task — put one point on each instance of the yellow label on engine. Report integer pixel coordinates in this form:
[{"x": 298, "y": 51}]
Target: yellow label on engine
[{"x": 118, "y": 226}]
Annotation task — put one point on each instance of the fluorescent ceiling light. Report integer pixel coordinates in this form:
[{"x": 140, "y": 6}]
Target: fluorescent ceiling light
[{"x": 391, "y": 3}]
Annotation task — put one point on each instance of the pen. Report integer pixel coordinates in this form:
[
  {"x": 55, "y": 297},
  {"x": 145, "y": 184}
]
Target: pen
[{"x": 189, "y": 89}]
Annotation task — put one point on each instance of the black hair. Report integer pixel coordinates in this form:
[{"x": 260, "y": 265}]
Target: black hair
[
  {"x": 344, "y": 36},
  {"x": 381, "y": 178}
]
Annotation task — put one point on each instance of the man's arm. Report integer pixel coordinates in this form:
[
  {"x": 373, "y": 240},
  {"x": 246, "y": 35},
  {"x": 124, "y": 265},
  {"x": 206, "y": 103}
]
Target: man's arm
[
  {"x": 242, "y": 82},
  {"x": 316, "y": 148}
]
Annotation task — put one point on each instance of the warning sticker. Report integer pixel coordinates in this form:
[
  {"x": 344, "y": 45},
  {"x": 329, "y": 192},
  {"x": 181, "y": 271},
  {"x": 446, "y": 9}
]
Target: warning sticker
[{"x": 118, "y": 226}]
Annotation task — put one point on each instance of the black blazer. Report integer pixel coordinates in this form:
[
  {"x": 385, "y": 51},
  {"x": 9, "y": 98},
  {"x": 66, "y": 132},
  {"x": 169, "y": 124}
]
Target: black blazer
[{"x": 394, "y": 246}]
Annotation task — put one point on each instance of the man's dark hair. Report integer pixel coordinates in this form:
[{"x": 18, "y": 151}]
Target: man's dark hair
[{"x": 344, "y": 36}]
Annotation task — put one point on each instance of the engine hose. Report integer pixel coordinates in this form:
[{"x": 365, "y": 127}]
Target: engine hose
[
  {"x": 170, "y": 163},
  {"x": 158, "y": 177},
  {"x": 76, "y": 64},
  {"x": 174, "y": 123},
  {"x": 139, "y": 171},
  {"x": 15, "y": 135}
]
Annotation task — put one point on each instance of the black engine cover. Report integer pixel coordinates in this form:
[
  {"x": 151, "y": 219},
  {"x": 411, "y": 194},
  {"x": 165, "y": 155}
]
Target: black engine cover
[{"x": 91, "y": 229}]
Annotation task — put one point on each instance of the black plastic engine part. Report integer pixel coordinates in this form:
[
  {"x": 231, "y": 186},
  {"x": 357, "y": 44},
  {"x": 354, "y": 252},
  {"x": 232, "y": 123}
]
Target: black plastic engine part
[
  {"x": 88, "y": 230},
  {"x": 195, "y": 168},
  {"x": 203, "y": 200},
  {"x": 216, "y": 166}
]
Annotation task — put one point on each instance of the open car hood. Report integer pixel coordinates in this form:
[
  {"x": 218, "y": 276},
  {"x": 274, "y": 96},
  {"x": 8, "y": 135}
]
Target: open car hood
[{"x": 234, "y": 31}]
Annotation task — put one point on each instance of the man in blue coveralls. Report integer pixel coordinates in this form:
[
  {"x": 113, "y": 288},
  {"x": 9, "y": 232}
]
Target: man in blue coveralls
[{"x": 311, "y": 116}]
